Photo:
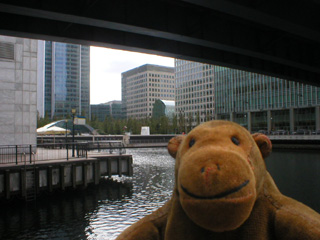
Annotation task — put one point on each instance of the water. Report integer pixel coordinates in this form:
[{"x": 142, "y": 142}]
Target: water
[
  {"x": 296, "y": 173},
  {"x": 105, "y": 211}
]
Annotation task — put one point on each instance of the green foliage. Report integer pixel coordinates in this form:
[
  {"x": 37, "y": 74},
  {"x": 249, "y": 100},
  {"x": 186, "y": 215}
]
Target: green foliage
[
  {"x": 43, "y": 121},
  {"x": 112, "y": 126},
  {"x": 198, "y": 118}
]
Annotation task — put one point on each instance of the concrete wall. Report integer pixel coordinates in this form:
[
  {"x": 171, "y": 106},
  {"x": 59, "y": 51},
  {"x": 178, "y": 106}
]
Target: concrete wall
[
  {"x": 18, "y": 93},
  {"x": 49, "y": 176}
]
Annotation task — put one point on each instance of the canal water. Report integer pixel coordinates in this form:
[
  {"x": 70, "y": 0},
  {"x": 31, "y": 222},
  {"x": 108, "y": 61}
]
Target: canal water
[{"x": 104, "y": 211}]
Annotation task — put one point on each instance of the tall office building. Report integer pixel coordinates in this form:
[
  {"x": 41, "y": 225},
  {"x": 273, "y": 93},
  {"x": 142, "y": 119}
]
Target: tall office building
[
  {"x": 261, "y": 102},
  {"x": 110, "y": 109},
  {"x": 194, "y": 97},
  {"x": 255, "y": 101},
  {"x": 66, "y": 79},
  {"x": 143, "y": 85}
]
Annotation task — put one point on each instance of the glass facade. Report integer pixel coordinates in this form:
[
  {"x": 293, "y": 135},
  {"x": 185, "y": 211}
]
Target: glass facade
[
  {"x": 100, "y": 111},
  {"x": 304, "y": 119},
  {"x": 110, "y": 109},
  {"x": 67, "y": 79},
  {"x": 194, "y": 95},
  {"x": 163, "y": 108},
  {"x": 273, "y": 103}
]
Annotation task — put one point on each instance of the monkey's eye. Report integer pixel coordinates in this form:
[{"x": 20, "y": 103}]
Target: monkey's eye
[
  {"x": 235, "y": 141},
  {"x": 192, "y": 142}
]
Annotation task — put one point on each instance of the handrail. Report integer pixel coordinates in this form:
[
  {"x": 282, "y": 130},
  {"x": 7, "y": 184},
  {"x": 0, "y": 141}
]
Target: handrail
[{"x": 20, "y": 154}]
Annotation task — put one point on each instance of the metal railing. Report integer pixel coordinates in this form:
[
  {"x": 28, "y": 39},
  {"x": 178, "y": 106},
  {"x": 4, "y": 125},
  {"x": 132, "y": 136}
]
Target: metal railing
[
  {"x": 161, "y": 140},
  {"x": 26, "y": 154},
  {"x": 109, "y": 146},
  {"x": 17, "y": 154}
]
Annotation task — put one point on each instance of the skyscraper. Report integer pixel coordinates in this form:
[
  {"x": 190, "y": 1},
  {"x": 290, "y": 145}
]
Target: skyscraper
[
  {"x": 109, "y": 109},
  {"x": 255, "y": 101},
  {"x": 66, "y": 79},
  {"x": 143, "y": 85},
  {"x": 194, "y": 92}
]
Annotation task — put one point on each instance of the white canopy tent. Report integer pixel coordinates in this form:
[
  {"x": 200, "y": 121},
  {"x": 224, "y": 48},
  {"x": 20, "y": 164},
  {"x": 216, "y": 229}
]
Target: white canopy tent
[{"x": 52, "y": 131}]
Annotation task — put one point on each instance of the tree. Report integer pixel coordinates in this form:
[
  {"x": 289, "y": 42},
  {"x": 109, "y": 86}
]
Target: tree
[
  {"x": 198, "y": 118},
  {"x": 164, "y": 125},
  {"x": 83, "y": 113},
  {"x": 190, "y": 121},
  {"x": 175, "y": 123},
  {"x": 107, "y": 125},
  {"x": 43, "y": 121},
  {"x": 117, "y": 127}
]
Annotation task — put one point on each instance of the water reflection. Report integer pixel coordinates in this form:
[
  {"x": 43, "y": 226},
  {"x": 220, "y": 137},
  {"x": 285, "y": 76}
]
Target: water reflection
[
  {"x": 99, "y": 213},
  {"x": 65, "y": 216},
  {"x": 105, "y": 211},
  {"x": 152, "y": 187}
]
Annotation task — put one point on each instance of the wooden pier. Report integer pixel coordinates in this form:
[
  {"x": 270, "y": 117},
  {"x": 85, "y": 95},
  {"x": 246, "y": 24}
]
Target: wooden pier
[{"x": 28, "y": 180}]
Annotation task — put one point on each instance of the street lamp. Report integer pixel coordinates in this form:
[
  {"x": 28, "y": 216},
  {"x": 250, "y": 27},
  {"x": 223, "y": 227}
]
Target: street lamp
[
  {"x": 67, "y": 138},
  {"x": 73, "y": 112},
  {"x": 66, "y": 121}
]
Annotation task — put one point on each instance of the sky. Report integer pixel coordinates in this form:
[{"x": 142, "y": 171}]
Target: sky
[{"x": 106, "y": 66}]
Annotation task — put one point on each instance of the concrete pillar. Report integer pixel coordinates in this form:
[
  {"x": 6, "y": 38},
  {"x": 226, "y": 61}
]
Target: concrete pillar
[
  {"x": 62, "y": 182},
  {"x": 291, "y": 117},
  {"x": 317, "y": 117},
  {"x": 109, "y": 167},
  {"x": 232, "y": 116},
  {"x": 7, "y": 183},
  {"x": 269, "y": 121},
  {"x": 96, "y": 172},
  {"x": 119, "y": 167},
  {"x": 130, "y": 162},
  {"x": 37, "y": 179},
  {"x": 84, "y": 174},
  {"x": 18, "y": 99},
  {"x": 23, "y": 186},
  {"x": 74, "y": 176},
  {"x": 249, "y": 120},
  {"x": 50, "y": 178}
]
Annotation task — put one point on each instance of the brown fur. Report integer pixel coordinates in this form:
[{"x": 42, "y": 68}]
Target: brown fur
[{"x": 223, "y": 191}]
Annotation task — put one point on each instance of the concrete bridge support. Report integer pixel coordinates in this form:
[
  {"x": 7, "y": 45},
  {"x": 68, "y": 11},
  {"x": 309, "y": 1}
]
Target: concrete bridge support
[{"x": 18, "y": 91}]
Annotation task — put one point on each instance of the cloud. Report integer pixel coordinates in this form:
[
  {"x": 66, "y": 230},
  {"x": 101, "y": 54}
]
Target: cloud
[{"x": 106, "y": 66}]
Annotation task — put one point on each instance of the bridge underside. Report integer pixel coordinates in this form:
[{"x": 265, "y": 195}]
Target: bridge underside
[{"x": 279, "y": 38}]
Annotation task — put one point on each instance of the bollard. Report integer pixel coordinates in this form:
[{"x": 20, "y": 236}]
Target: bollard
[
  {"x": 30, "y": 153},
  {"x": 17, "y": 154},
  {"x": 67, "y": 151}
]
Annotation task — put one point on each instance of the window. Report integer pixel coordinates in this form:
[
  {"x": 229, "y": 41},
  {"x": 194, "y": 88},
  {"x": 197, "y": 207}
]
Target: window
[{"x": 6, "y": 51}]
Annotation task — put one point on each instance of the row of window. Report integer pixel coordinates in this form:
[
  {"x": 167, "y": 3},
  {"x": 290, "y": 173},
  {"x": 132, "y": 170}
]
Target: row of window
[{"x": 161, "y": 75}]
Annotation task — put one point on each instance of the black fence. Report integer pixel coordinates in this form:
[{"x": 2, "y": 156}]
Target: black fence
[
  {"x": 26, "y": 154},
  {"x": 106, "y": 146}
]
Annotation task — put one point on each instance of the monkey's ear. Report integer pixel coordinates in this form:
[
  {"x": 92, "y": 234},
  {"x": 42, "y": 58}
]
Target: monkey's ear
[
  {"x": 263, "y": 143},
  {"x": 174, "y": 144}
]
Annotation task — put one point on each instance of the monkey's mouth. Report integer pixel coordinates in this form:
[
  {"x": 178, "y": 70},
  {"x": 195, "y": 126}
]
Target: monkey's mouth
[{"x": 219, "y": 195}]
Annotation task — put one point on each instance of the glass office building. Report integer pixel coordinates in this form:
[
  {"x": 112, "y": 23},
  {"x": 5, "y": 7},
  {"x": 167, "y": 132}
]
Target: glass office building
[
  {"x": 163, "y": 108},
  {"x": 260, "y": 102},
  {"x": 66, "y": 79},
  {"x": 194, "y": 92},
  {"x": 110, "y": 109}
]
